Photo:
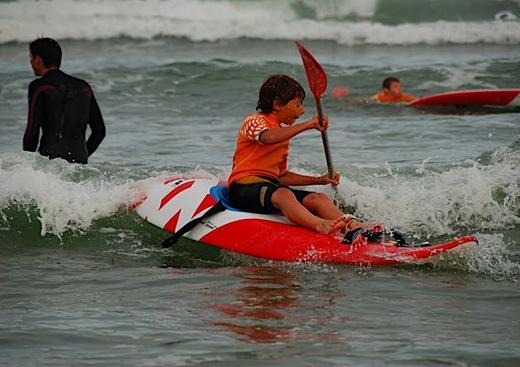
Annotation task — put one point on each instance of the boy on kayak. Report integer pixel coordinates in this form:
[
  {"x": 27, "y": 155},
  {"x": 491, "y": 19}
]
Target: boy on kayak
[
  {"x": 392, "y": 93},
  {"x": 259, "y": 181}
]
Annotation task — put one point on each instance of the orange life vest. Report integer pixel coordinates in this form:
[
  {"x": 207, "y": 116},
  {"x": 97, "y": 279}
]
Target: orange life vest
[{"x": 384, "y": 97}]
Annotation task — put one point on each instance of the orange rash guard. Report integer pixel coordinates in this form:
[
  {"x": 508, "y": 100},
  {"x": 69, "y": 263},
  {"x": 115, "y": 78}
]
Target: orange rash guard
[
  {"x": 252, "y": 158},
  {"x": 383, "y": 97}
]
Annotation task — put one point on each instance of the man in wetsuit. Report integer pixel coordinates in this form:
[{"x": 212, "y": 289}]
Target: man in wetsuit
[{"x": 61, "y": 106}]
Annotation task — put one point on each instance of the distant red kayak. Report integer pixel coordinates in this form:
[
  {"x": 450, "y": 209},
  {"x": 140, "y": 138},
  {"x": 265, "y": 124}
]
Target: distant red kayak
[
  {"x": 482, "y": 97},
  {"x": 173, "y": 203}
]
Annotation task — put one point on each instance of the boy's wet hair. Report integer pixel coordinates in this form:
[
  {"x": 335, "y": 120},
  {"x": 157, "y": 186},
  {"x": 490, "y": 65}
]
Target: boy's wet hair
[
  {"x": 278, "y": 87},
  {"x": 388, "y": 82},
  {"x": 48, "y": 49}
]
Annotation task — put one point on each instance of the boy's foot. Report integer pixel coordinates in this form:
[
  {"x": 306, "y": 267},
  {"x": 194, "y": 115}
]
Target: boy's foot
[
  {"x": 373, "y": 232},
  {"x": 331, "y": 226}
]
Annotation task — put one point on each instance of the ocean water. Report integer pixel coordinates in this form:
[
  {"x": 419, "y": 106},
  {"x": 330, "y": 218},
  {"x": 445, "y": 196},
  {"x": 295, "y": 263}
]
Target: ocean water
[{"x": 84, "y": 281}]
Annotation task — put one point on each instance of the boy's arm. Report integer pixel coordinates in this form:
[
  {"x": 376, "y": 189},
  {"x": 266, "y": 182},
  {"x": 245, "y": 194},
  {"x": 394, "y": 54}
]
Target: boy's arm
[
  {"x": 295, "y": 179},
  {"x": 372, "y": 99},
  {"x": 280, "y": 134}
]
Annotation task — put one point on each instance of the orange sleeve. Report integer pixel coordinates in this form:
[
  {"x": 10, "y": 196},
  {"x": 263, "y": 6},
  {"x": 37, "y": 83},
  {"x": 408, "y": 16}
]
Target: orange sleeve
[{"x": 253, "y": 127}]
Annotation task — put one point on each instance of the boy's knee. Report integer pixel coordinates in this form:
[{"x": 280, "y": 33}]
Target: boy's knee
[{"x": 316, "y": 199}]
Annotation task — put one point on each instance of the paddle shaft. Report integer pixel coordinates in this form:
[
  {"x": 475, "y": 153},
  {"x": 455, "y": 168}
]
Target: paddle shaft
[{"x": 325, "y": 140}]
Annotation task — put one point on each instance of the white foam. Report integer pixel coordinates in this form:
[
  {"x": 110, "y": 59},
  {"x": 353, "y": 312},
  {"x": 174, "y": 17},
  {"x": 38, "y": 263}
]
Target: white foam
[
  {"x": 460, "y": 75},
  {"x": 333, "y": 9},
  {"x": 490, "y": 257},
  {"x": 199, "y": 20},
  {"x": 63, "y": 204},
  {"x": 69, "y": 197},
  {"x": 470, "y": 196}
]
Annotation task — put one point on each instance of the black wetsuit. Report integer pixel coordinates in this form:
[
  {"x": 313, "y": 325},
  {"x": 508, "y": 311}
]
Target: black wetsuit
[{"x": 62, "y": 106}]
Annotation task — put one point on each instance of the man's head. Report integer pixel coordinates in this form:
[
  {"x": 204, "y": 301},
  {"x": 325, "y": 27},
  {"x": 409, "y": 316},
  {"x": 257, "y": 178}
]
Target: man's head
[
  {"x": 277, "y": 91},
  {"x": 45, "y": 54},
  {"x": 393, "y": 86}
]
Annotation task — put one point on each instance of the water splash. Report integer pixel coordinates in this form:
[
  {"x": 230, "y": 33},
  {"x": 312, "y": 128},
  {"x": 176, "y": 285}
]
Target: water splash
[
  {"x": 491, "y": 258},
  {"x": 470, "y": 196},
  {"x": 71, "y": 197},
  {"x": 66, "y": 197}
]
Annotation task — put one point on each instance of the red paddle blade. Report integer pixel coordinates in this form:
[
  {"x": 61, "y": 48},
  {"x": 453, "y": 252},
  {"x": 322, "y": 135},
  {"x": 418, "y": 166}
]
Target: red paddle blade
[{"x": 315, "y": 74}]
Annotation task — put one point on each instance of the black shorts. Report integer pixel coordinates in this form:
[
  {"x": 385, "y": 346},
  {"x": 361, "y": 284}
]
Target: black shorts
[{"x": 256, "y": 197}]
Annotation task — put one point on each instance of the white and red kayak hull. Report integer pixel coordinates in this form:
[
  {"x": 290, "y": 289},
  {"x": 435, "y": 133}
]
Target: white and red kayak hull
[{"x": 173, "y": 203}]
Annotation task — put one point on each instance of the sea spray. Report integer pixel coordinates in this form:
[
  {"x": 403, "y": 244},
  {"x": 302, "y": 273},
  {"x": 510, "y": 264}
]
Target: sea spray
[
  {"x": 71, "y": 197},
  {"x": 62, "y": 202},
  {"x": 492, "y": 258},
  {"x": 470, "y": 196}
]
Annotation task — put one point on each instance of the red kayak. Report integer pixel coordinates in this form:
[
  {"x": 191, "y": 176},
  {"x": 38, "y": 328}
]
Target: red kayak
[
  {"x": 483, "y": 97},
  {"x": 175, "y": 203}
]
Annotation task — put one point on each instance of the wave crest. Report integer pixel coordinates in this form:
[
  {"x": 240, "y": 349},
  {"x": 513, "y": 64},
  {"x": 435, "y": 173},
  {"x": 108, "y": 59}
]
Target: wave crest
[
  {"x": 22, "y": 21},
  {"x": 478, "y": 195},
  {"x": 67, "y": 197}
]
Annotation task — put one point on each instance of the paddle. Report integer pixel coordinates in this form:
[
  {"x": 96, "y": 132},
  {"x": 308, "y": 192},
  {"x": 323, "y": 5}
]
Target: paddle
[{"x": 318, "y": 84}]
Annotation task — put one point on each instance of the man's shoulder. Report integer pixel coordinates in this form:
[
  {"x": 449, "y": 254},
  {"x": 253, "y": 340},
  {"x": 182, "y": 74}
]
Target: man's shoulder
[
  {"x": 77, "y": 80},
  {"x": 36, "y": 83},
  {"x": 39, "y": 84},
  {"x": 53, "y": 79}
]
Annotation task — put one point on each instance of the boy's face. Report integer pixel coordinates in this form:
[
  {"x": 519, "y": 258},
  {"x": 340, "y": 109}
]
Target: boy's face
[
  {"x": 395, "y": 89},
  {"x": 291, "y": 111}
]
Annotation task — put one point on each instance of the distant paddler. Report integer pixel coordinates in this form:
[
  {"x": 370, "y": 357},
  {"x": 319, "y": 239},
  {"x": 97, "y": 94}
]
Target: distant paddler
[{"x": 391, "y": 93}]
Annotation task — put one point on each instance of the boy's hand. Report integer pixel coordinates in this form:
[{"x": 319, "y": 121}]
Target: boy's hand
[
  {"x": 315, "y": 124},
  {"x": 325, "y": 179}
]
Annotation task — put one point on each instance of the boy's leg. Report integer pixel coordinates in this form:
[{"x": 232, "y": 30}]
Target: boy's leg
[
  {"x": 320, "y": 205},
  {"x": 285, "y": 200}
]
